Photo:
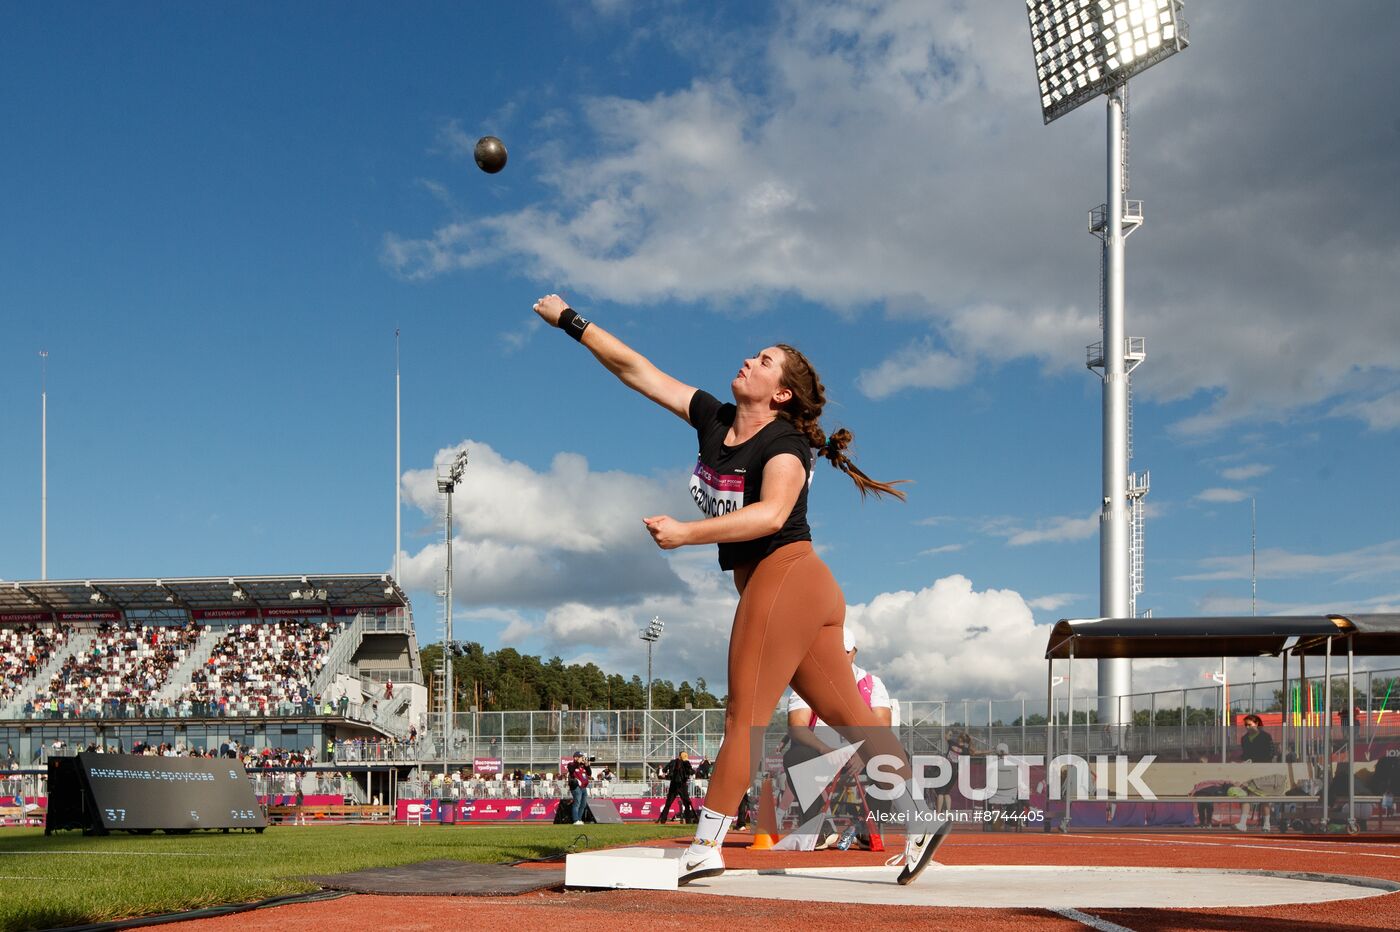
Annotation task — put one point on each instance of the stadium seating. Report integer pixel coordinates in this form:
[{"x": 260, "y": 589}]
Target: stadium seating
[
  {"x": 260, "y": 669},
  {"x": 118, "y": 675},
  {"x": 23, "y": 650},
  {"x": 125, "y": 670}
]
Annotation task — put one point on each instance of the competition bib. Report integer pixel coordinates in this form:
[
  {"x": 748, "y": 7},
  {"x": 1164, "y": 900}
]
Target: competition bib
[{"x": 715, "y": 493}]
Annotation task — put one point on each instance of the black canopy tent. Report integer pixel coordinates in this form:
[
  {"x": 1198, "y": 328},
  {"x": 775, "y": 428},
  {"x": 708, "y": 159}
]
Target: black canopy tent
[
  {"x": 1256, "y": 636},
  {"x": 1232, "y": 636}
]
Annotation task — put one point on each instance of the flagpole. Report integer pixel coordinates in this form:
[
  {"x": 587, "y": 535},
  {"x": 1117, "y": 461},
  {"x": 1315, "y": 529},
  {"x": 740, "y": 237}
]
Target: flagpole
[{"x": 44, "y": 466}]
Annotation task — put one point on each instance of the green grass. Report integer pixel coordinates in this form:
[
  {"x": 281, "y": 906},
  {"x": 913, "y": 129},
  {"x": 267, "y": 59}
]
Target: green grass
[{"x": 68, "y": 879}]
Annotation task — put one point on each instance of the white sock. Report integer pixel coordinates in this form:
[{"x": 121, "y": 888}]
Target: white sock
[{"x": 710, "y": 830}]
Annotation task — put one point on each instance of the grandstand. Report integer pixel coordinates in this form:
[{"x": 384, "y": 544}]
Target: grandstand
[{"x": 298, "y": 663}]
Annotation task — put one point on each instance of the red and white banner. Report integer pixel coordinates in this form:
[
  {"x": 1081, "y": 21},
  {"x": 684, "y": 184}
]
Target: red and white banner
[
  {"x": 340, "y": 610},
  {"x": 309, "y": 799},
  {"x": 26, "y": 616},
  {"x": 632, "y": 809},
  {"x": 487, "y": 765},
  {"x": 297, "y": 611},
  {"x": 109, "y": 615},
  {"x": 209, "y": 614}
]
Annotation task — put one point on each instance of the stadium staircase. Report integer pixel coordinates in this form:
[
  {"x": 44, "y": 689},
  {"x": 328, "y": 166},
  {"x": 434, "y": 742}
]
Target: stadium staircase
[
  {"x": 195, "y": 658},
  {"x": 79, "y": 643},
  {"x": 392, "y": 716},
  {"x": 339, "y": 659}
]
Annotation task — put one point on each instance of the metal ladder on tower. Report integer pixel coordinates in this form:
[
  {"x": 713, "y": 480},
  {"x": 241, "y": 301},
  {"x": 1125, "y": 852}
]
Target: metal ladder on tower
[{"x": 1138, "y": 487}]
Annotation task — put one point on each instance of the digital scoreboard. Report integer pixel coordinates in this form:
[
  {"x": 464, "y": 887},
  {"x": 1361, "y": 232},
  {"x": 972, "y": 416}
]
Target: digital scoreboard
[{"x": 113, "y": 792}]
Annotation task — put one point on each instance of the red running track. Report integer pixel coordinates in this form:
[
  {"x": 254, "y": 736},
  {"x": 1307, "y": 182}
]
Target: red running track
[{"x": 647, "y": 911}]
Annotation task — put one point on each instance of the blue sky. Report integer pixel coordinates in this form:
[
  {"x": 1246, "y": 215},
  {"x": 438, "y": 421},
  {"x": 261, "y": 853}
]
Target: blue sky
[{"x": 215, "y": 217}]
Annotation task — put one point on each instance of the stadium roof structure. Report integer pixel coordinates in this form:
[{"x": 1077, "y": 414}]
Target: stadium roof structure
[
  {"x": 1228, "y": 636},
  {"x": 246, "y": 595},
  {"x": 1373, "y": 635}
]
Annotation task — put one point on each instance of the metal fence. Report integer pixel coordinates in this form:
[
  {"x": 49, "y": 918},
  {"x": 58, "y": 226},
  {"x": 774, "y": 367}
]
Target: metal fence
[
  {"x": 535, "y": 740},
  {"x": 1176, "y": 724}
]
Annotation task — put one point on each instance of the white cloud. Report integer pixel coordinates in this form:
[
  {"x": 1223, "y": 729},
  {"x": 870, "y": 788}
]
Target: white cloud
[
  {"x": 1055, "y": 602},
  {"x": 454, "y": 141},
  {"x": 529, "y": 538},
  {"x": 1243, "y": 605},
  {"x": 1221, "y": 496},
  {"x": 892, "y": 154},
  {"x": 1381, "y": 413},
  {"x": 1249, "y": 471},
  {"x": 694, "y": 643},
  {"x": 574, "y": 623},
  {"x": 1053, "y": 531},
  {"x": 1348, "y": 566},
  {"x": 946, "y": 548},
  {"x": 949, "y": 640},
  {"x": 914, "y": 367}
]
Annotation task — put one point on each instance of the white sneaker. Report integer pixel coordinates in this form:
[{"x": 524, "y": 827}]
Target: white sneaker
[
  {"x": 919, "y": 849},
  {"x": 579, "y": 822},
  {"x": 699, "y": 861}
]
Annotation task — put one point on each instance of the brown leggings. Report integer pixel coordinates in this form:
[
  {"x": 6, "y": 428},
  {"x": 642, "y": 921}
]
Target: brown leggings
[{"x": 787, "y": 630}]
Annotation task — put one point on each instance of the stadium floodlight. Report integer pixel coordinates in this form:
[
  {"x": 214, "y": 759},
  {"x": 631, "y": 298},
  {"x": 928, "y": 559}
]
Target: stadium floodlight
[
  {"x": 651, "y": 634},
  {"x": 1084, "y": 48}
]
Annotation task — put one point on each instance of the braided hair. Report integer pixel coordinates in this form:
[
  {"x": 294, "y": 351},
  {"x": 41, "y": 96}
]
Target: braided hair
[{"x": 804, "y": 411}]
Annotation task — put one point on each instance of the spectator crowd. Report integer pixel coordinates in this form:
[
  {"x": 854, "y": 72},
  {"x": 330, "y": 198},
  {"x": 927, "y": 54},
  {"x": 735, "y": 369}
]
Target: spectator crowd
[
  {"x": 23, "y": 650},
  {"x": 119, "y": 675},
  {"x": 265, "y": 668}
]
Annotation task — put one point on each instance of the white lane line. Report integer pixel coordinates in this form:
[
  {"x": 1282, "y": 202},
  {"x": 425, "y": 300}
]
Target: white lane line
[
  {"x": 1342, "y": 846},
  {"x": 1093, "y": 922}
]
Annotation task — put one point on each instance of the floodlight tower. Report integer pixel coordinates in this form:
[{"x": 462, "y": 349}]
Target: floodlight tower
[
  {"x": 1084, "y": 48},
  {"x": 651, "y": 634},
  {"x": 449, "y": 475}
]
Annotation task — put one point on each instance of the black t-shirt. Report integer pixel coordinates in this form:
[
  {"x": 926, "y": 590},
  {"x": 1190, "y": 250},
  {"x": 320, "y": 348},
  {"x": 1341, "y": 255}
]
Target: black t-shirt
[
  {"x": 679, "y": 772},
  {"x": 728, "y": 478}
]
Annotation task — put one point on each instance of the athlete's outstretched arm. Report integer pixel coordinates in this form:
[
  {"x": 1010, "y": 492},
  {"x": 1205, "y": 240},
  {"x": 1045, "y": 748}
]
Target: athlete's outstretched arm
[{"x": 631, "y": 367}]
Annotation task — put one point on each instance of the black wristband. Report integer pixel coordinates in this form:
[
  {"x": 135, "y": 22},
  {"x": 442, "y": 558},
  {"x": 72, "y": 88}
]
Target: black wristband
[{"x": 571, "y": 323}]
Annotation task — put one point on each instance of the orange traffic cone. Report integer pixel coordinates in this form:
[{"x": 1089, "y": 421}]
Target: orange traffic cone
[{"x": 767, "y": 835}]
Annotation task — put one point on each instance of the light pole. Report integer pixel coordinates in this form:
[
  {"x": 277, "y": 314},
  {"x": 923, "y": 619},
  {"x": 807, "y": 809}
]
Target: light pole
[
  {"x": 398, "y": 467},
  {"x": 1084, "y": 49},
  {"x": 449, "y": 475},
  {"x": 563, "y": 711},
  {"x": 44, "y": 467},
  {"x": 651, "y": 634},
  {"x": 475, "y": 727}
]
